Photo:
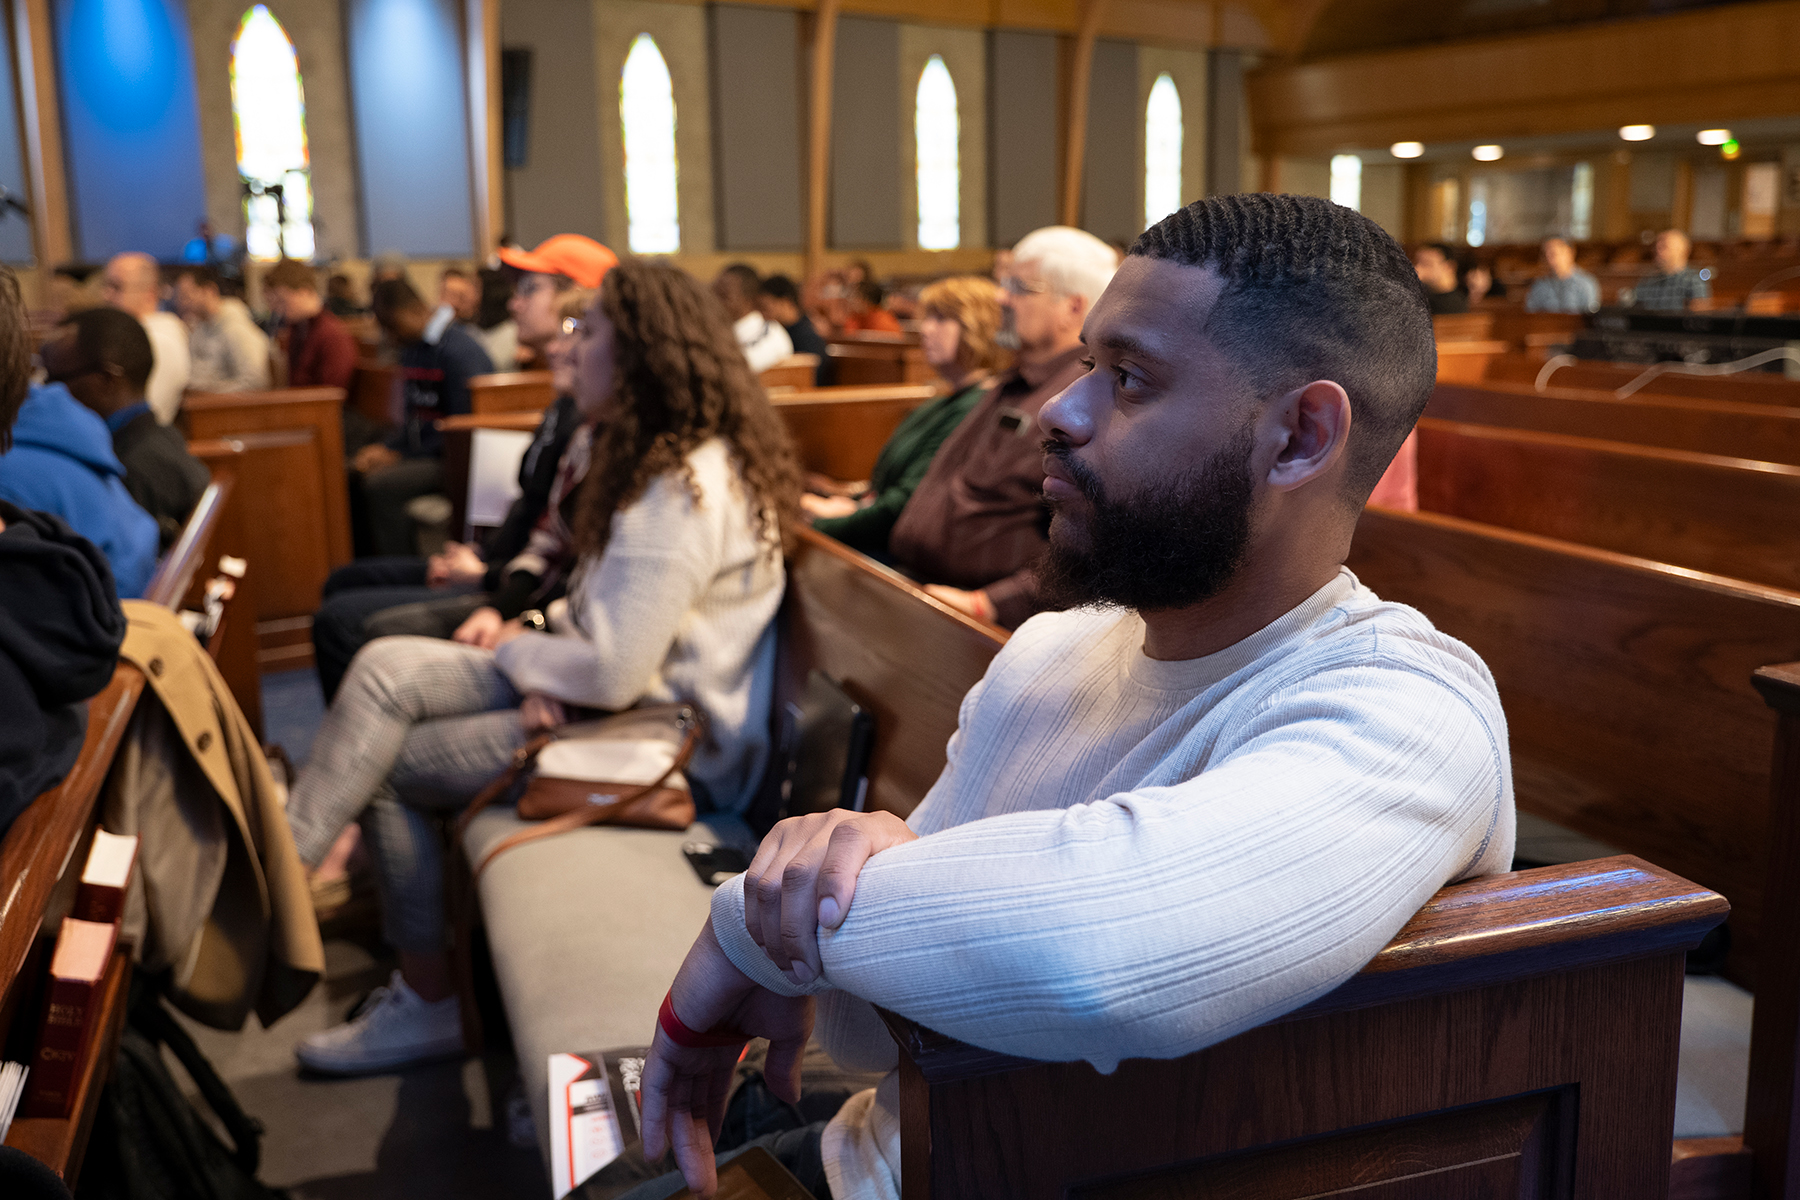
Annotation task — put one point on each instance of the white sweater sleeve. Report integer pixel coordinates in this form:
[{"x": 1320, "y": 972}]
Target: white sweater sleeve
[
  {"x": 661, "y": 556},
  {"x": 1164, "y": 919}
]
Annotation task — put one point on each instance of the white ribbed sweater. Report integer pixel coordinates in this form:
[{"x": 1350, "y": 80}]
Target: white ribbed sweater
[
  {"x": 1129, "y": 858},
  {"x": 681, "y": 606}
]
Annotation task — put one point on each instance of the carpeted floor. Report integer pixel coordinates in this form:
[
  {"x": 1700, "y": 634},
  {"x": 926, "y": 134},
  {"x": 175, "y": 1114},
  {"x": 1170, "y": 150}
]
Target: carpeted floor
[{"x": 436, "y": 1131}]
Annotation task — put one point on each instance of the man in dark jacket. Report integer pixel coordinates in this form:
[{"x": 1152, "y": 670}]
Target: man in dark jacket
[
  {"x": 60, "y": 621},
  {"x": 103, "y": 357}
]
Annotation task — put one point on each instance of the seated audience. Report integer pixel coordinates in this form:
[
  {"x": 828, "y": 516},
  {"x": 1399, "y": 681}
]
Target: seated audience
[
  {"x": 226, "y": 350},
  {"x": 559, "y": 263},
  {"x": 340, "y": 296},
  {"x": 976, "y": 522},
  {"x": 321, "y": 351},
  {"x": 1479, "y": 284},
  {"x": 437, "y": 360},
  {"x": 1565, "y": 287},
  {"x": 103, "y": 357},
  {"x": 383, "y": 597},
  {"x": 1435, "y": 264},
  {"x": 60, "y": 620},
  {"x": 779, "y": 300},
  {"x": 961, "y": 320},
  {"x": 763, "y": 342},
  {"x": 1675, "y": 286},
  {"x": 679, "y": 527},
  {"x": 1207, "y": 794},
  {"x": 460, "y": 294},
  {"x": 62, "y": 463},
  {"x": 866, "y": 314},
  {"x": 132, "y": 284},
  {"x": 494, "y": 327}
]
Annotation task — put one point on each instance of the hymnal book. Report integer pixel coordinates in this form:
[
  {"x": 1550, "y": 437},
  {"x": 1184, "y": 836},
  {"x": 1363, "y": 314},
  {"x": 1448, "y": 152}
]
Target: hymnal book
[
  {"x": 12, "y": 1086},
  {"x": 585, "y": 1101},
  {"x": 101, "y": 897},
  {"x": 71, "y": 1004}
]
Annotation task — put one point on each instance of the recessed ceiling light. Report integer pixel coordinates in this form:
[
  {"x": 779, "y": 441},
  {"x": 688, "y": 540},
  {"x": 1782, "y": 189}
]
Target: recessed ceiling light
[
  {"x": 1488, "y": 153},
  {"x": 1713, "y": 137},
  {"x": 1407, "y": 149},
  {"x": 1637, "y": 133}
]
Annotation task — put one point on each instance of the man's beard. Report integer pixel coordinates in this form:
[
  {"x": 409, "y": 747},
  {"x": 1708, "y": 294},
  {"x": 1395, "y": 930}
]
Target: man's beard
[{"x": 1167, "y": 547}]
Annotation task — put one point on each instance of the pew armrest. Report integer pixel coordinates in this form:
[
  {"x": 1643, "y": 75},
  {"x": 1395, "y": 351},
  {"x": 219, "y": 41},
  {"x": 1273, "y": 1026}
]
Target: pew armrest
[{"x": 1469, "y": 935}]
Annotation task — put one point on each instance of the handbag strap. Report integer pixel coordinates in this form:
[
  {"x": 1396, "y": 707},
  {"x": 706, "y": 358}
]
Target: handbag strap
[
  {"x": 522, "y": 758},
  {"x": 587, "y": 814}
]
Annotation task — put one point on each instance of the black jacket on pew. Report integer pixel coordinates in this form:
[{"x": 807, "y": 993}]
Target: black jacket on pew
[
  {"x": 60, "y": 631},
  {"x": 160, "y": 474}
]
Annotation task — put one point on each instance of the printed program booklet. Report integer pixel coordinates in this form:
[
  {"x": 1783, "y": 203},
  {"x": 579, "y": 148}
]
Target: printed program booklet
[{"x": 588, "y": 1093}]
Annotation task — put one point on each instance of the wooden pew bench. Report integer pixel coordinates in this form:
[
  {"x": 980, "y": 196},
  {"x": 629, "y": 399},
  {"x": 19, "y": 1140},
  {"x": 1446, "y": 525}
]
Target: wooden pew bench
[
  {"x": 1466, "y": 361},
  {"x": 1747, "y": 387},
  {"x": 1754, "y": 431},
  {"x": 839, "y": 431},
  {"x": 511, "y": 391},
  {"x": 863, "y": 359},
  {"x": 1727, "y": 516},
  {"x": 1634, "y": 721}
]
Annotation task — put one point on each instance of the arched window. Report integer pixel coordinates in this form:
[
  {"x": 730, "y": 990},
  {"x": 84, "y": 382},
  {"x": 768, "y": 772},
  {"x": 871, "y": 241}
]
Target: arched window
[
  {"x": 1346, "y": 181},
  {"x": 936, "y": 134},
  {"x": 1162, "y": 150},
  {"x": 647, "y": 113},
  {"x": 268, "y": 111}
]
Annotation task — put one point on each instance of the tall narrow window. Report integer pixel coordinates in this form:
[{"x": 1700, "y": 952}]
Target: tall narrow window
[
  {"x": 1162, "y": 150},
  {"x": 937, "y": 132},
  {"x": 1581, "y": 201},
  {"x": 268, "y": 111},
  {"x": 647, "y": 113},
  {"x": 1346, "y": 181}
]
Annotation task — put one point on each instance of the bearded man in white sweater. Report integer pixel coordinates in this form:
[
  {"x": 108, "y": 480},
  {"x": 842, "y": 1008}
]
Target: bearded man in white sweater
[{"x": 1202, "y": 796}]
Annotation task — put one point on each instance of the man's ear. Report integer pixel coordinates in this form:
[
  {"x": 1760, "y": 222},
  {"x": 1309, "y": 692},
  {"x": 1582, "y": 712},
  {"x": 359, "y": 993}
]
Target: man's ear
[{"x": 1315, "y": 421}]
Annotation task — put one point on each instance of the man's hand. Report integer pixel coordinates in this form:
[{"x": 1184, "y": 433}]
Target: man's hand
[
  {"x": 482, "y": 628},
  {"x": 975, "y": 604},
  {"x": 459, "y": 564},
  {"x": 804, "y": 875},
  {"x": 684, "y": 1089},
  {"x": 373, "y": 457},
  {"x": 539, "y": 711},
  {"x": 826, "y": 506}
]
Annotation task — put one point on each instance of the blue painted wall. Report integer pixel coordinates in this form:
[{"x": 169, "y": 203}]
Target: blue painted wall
[
  {"x": 131, "y": 125},
  {"x": 15, "y": 232},
  {"x": 412, "y": 136}
]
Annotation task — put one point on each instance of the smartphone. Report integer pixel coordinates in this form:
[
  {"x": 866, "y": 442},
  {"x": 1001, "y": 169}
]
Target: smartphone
[{"x": 715, "y": 864}]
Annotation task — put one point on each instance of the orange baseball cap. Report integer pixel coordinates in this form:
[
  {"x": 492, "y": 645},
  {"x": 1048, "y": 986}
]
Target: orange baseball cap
[{"x": 579, "y": 258}]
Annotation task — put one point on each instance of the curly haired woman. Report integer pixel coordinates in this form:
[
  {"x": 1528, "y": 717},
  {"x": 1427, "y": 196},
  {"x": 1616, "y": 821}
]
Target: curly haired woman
[{"x": 678, "y": 528}]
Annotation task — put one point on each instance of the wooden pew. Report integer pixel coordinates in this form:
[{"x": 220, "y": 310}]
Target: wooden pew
[
  {"x": 1746, "y": 387},
  {"x": 1536, "y": 332},
  {"x": 293, "y": 484},
  {"x": 794, "y": 371},
  {"x": 233, "y": 646},
  {"x": 1633, "y": 720},
  {"x": 375, "y": 393},
  {"x": 1753, "y": 431},
  {"x": 511, "y": 391},
  {"x": 1466, "y": 361},
  {"x": 1517, "y": 1038},
  {"x": 838, "y": 431},
  {"x": 1463, "y": 327},
  {"x": 865, "y": 359},
  {"x": 1728, "y": 516},
  {"x": 459, "y": 441}
]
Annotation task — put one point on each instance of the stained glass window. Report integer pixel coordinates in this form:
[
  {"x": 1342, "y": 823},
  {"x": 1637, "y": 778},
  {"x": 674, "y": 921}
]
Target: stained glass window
[
  {"x": 647, "y": 113},
  {"x": 1346, "y": 181},
  {"x": 937, "y": 131},
  {"x": 268, "y": 112},
  {"x": 1162, "y": 150}
]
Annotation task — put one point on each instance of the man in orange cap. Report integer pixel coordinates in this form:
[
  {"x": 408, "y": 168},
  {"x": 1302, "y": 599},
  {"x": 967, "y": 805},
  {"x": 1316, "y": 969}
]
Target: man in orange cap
[{"x": 560, "y": 263}]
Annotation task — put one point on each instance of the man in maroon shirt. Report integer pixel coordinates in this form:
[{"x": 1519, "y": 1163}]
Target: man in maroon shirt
[
  {"x": 977, "y": 523},
  {"x": 320, "y": 350}
]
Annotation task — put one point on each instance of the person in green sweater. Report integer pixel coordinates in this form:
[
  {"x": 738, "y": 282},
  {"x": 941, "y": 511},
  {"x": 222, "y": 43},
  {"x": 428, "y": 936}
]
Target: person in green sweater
[{"x": 959, "y": 321}]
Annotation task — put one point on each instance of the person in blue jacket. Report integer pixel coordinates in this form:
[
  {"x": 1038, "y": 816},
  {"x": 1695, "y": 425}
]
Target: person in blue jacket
[{"x": 62, "y": 462}]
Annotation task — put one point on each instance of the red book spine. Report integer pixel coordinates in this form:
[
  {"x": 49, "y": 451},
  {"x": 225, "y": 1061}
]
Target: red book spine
[
  {"x": 99, "y": 903},
  {"x": 62, "y": 1043}
]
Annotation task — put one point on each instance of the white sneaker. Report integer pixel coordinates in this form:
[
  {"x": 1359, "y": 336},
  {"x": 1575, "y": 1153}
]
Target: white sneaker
[{"x": 393, "y": 1028}]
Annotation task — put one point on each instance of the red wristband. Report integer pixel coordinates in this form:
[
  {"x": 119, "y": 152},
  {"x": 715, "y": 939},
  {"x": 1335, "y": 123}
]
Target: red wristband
[{"x": 681, "y": 1035}]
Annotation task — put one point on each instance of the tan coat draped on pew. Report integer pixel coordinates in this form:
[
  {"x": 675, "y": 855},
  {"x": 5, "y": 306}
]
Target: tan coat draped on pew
[{"x": 220, "y": 897}]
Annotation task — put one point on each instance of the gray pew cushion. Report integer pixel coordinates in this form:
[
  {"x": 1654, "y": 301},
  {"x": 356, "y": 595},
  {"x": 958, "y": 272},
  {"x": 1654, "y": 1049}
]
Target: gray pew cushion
[
  {"x": 1715, "y": 1058},
  {"x": 586, "y": 930}
]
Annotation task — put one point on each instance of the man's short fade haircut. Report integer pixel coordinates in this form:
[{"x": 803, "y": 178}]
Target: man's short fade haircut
[
  {"x": 394, "y": 295},
  {"x": 106, "y": 337},
  {"x": 782, "y": 288},
  {"x": 1313, "y": 291}
]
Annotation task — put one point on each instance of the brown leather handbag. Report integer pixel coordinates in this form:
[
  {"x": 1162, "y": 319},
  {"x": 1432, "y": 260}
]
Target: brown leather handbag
[{"x": 625, "y": 769}]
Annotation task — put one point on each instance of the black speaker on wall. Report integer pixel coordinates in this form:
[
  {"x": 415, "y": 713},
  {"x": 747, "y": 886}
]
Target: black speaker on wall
[{"x": 515, "y": 106}]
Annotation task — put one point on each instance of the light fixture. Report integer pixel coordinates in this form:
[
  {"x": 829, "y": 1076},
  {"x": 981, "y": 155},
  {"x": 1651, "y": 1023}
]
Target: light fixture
[
  {"x": 1713, "y": 137},
  {"x": 1407, "y": 149},
  {"x": 1488, "y": 153},
  {"x": 1637, "y": 133},
  {"x": 1729, "y": 150}
]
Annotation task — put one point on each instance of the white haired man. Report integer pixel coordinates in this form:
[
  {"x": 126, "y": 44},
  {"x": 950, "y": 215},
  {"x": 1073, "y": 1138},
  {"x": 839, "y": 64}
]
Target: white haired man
[{"x": 977, "y": 523}]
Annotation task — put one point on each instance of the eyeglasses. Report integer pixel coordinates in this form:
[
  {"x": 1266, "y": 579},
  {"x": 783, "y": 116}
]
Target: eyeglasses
[
  {"x": 1012, "y": 285},
  {"x": 573, "y": 327}
]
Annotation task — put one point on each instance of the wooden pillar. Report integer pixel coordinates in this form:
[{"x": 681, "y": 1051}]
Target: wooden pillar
[
  {"x": 1224, "y": 119},
  {"x": 1081, "y": 69},
  {"x": 1681, "y": 211},
  {"x": 818, "y": 145},
  {"x": 1269, "y": 168},
  {"x": 481, "y": 37},
  {"x": 39, "y": 113},
  {"x": 1616, "y": 226}
]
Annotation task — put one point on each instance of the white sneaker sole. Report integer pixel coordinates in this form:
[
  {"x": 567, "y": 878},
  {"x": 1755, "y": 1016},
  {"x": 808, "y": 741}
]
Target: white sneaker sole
[{"x": 366, "y": 1065}]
